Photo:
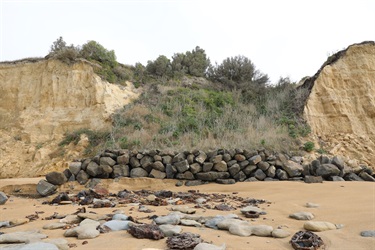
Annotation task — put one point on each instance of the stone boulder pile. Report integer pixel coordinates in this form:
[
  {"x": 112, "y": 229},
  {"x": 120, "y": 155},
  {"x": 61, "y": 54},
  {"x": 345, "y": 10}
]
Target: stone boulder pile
[{"x": 198, "y": 167}]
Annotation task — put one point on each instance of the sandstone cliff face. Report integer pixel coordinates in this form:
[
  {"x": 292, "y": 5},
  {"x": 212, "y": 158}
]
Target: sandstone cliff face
[
  {"x": 341, "y": 106},
  {"x": 40, "y": 101}
]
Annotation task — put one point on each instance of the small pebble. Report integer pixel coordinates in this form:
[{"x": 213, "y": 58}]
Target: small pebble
[{"x": 311, "y": 205}]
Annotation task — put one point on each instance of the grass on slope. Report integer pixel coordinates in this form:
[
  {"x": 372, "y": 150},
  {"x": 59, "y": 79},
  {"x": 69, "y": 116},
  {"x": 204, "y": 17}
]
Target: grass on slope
[{"x": 183, "y": 118}]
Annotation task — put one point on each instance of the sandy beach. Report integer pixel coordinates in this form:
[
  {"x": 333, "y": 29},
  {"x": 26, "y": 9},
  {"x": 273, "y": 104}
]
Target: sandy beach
[{"x": 349, "y": 203}]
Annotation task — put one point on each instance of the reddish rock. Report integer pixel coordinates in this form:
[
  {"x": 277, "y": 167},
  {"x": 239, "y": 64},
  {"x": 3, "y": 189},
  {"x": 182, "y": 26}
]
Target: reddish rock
[{"x": 146, "y": 231}]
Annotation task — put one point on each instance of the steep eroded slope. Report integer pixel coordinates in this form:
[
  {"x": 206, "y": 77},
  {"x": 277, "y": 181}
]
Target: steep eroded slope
[
  {"x": 42, "y": 100},
  {"x": 341, "y": 106}
]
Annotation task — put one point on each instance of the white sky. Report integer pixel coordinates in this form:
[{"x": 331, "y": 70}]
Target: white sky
[{"x": 282, "y": 37}]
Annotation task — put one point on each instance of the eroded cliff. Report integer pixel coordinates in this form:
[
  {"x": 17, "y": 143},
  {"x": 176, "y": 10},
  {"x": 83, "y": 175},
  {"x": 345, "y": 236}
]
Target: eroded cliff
[
  {"x": 42, "y": 100},
  {"x": 341, "y": 106}
]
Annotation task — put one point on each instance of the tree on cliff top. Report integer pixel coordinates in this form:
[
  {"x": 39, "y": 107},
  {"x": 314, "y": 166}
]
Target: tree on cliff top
[
  {"x": 237, "y": 72},
  {"x": 93, "y": 50},
  {"x": 111, "y": 70},
  {"x": 60, "y": 51},
  {"x": 58, "y": 45}
]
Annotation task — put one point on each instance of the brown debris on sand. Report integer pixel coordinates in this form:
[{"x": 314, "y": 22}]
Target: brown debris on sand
[
  {"x": 306, "y": 240},
  {"x": 146, "y": 231},
  {"x": 183, "y": 241}
]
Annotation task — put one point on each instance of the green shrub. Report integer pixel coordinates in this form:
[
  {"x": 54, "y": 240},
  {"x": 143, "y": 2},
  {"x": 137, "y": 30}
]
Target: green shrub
[
  {"x": 161, "y": 67},
  {"x": 110, "y": 70},
  {"x": 309, "y": 146}
]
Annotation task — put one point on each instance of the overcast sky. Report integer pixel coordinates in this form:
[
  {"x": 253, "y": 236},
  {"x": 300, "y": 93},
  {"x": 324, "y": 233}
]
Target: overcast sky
[{"x": 282, "y": 37}]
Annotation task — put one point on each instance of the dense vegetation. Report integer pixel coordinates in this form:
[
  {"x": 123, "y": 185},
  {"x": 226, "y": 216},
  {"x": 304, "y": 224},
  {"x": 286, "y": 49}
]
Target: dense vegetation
[
  {"x": 109, "y": 69},
  {"x": 189, "y": 103}
]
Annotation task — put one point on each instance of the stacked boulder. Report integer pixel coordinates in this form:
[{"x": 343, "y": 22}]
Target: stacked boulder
[{"x": 221, "y": 166}]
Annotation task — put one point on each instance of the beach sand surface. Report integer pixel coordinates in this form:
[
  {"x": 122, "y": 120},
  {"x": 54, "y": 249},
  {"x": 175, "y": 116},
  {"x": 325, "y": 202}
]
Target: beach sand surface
[{"x": 349, "y": 203}]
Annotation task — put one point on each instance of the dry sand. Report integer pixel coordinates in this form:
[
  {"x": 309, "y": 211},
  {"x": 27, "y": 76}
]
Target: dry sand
[{"x": 348, "y": 203}]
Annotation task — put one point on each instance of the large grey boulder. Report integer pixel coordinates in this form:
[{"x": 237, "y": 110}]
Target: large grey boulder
[
  {"x": 271, "y": 171},
  {"x": 167, "y": 159},
  {"x": 263, "y": 165},
  {"x": 82, "y": 177},
  {"x": 157, "y": 174},
  {"x": 226, "y": 181},
  {"x": 281, "y": 174},
  {"x": 338, "y": 161},
  {"x": 138, "y": 172},
  {"x": 280, "y": 160},
  {"x": 146, "y": 161},
  {"x": 93, "y": 169},
  {"x": 207, "y": 166},
  {"x": 185, "y": 176},
  {"x": 293, "y": 169},
  {"x": 56, "y": 178},
  {"x": 195, "y": 168},
  {"x": 336, "y": 178},
  {"x": 181, "y": 166},
  {"x": 313, "y": 179},
  {"x": 352, "y": 177},
  {"x": 234, "y": 169},
  {"x": 366, "y": 177},
  {"x": 107, "y": 161},
  {"x": 221, "y": 166},
  {"x": 326, "y": 170},
  {"x": 75, "y": 167},
  {"x": 240, "y": 176},
  {"x": 240, "y": 157},
  {"x": 170, "y": 170},
  {"x": 201, "y": 157},
  {"x": 216, "y": 159},
  {"x": 249, "y": 169},
  {"x": 134, "y": 162},
  {"x": 212, "y": 176},
  {"x": 45, "y": 188},
  {"x": 255, "y": 160},
  {"x": 123, "y": 159},
  {"x": 179, "y": 157},
  {"x": 260, "y": 175},
  {"x": 120, "y": 170},
  {"x": 158, "y": 165},
  {"x": 324, "y": 159}
]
